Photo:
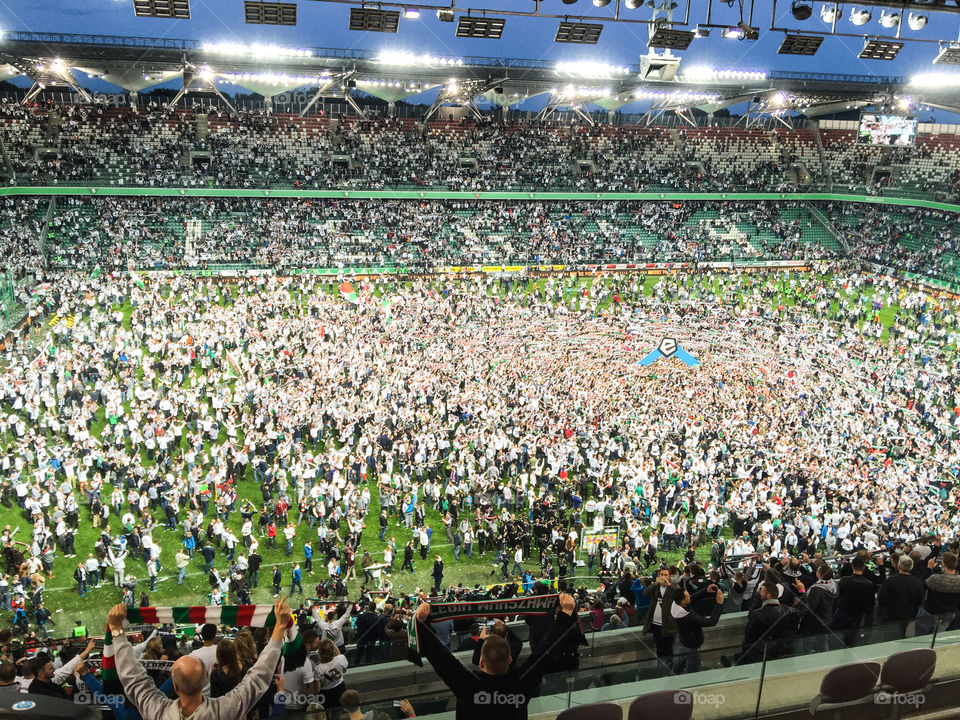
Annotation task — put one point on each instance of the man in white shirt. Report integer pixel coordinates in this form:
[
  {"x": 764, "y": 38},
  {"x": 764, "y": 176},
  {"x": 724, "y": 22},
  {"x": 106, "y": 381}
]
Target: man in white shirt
[
  {"x": 659, "y": 619},
  {"x": 208, "y": 653}
]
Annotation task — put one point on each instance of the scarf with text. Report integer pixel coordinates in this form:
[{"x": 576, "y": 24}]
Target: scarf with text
[{"x": 532, "y": 605}]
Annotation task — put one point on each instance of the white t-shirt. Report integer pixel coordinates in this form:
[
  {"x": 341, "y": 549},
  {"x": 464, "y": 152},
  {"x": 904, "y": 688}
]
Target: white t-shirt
[
  {"x": 208, "y": 656},
  {"x": 331, "y": 674},
  {"x": 293, "y": 683}
]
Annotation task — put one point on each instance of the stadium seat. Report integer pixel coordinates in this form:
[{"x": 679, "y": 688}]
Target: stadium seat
[
  {"x": 596, "y": 711},
  {"x": 662, "y": 705},
  {"x": 846, "y": 686},
  {"x": 907, "y": 674}
]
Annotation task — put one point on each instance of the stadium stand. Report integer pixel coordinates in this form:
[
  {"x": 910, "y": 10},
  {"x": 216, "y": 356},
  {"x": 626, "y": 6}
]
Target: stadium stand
[{"x": 49, "y": 144}]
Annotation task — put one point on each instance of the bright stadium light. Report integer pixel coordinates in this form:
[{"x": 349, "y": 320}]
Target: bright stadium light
[
  {"x": 935, "y": 80},
  {"x": 677, "y": 96},
  {"x": 403, "y": 58},
  {"x": 590, "y": 69},
  {"x": 829, "y": 14},
  {"x": 273, "y": 78},
  {"x": 411, "y": 13},
  {"x": 263, "y": 52},
  {"x": 704, "y": 74},
  {"x": 572, "y": 91},
  {"x": 916, "y": 21},
  {"x": 889, "y": 20},
  {"x": 206, "y": 73},
  {"x": 860, "y": 17}
]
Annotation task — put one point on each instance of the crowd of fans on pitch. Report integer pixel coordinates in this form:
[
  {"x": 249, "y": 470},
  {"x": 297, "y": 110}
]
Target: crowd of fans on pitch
[
  {"x": 504, "y": 417},
  {"x": 156, "y": 147}
]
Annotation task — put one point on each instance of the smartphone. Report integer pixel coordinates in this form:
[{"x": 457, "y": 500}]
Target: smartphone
[
  {"x": 397, "y": 703},
  {"x": 491, "y": 623}
]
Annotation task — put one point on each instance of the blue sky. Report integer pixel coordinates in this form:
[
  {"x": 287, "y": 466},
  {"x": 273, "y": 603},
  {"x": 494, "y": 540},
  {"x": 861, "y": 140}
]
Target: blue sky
[{"x": 325, "y": 25}]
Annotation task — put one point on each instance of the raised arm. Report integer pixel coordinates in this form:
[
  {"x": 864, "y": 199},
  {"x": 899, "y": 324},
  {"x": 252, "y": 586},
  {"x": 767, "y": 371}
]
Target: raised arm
[
  {"x": 450, "y": 670},
  {"x": 140, "y": 648},
  {"x": 237, "y": 702},
  {"x": 137, "y": 685},
  {"x": 63, "y": 673},
  {"x": 343, "y": 619}
]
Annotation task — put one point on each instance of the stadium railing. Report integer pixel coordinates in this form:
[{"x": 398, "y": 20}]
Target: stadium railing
[{"x": 776, "y": 686}]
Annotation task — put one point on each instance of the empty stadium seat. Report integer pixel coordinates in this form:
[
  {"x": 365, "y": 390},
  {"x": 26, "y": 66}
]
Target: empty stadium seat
[{"x": 846, "y": 686}]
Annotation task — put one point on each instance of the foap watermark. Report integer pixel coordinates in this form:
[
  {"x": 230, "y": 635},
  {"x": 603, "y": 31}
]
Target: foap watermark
[
  {"x": 498, "y": 698},
  {"x": 299, "y": 699},
  {"x": 86, "y": 697},
  {"x": 885, "y": 697},
  {"x": 692, "y": 697}
]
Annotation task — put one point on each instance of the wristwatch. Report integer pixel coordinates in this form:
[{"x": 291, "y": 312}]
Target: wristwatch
[{"x": 117, "y": 632}]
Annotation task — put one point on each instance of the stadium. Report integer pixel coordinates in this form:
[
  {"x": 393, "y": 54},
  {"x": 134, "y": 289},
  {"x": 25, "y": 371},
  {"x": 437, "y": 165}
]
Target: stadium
[{"x": 546, "y": 359}]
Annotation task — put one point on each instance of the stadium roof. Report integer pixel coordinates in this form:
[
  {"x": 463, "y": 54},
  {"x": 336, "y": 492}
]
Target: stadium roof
[{"x": 139, "y": 63}]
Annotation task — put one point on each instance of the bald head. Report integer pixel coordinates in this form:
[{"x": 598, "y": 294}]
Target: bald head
[{"x": 189, "y": 675}]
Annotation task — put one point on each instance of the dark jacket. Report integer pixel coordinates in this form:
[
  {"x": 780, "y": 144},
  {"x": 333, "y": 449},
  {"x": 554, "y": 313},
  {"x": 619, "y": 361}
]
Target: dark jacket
[
  {"x": 368, "y": 628},
  {"x": 481, "y": 696},
  {"x": 943, "y": 594},
  {"x": 38, "y": 687},
  {"x": 766, "y": 624},
  {"x": 221, "y": 683},
  {"x": 900, "y": 597},
  {"x": 856, "y": 596},
  {"x": 690, "y": 624},
  {"x": 818, "y": 603},
  {"x": 669, "y": 627}
]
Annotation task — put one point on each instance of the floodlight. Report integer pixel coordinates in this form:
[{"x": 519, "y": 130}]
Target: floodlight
[
  {"x": 829, "y": 14},
  {"x": 370, "y": 20},
  {"x": 880, "y": 50},
  {"x": 601, "y": 3},
  {"x": 590, "y": 69},
  {"x": 949, "y": 55},
  {"x": 800, "y": 44},
  {"x": 671, "y": 39},
  {"x": 445, "y": 15},
  {"x": 801, "y": 10},
  {"x": 741, "y": 31},
  {"x": 579, "y": 33},
  {"x": 860, "y": 17},
  {"x": 269, "y": 13},
  {"x": 889, "y": 19},
  {"x": 480, "y": 27},
  {"x": 633, "y": 4},
  {"x": 411, "y": 13},
  {"x": 172, "y": 9},
  {"x": 916, "y": 21}
]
